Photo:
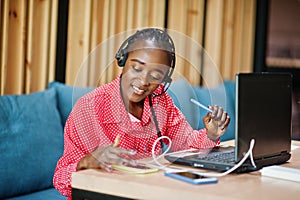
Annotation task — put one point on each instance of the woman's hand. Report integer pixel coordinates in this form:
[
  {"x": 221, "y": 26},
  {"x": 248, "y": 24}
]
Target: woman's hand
[
  {"x": 216, "y": 122},
  {"x": 103, "y": 157}
]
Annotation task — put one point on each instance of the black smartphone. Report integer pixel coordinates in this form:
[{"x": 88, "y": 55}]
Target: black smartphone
[{"x": 191, "y": 177}]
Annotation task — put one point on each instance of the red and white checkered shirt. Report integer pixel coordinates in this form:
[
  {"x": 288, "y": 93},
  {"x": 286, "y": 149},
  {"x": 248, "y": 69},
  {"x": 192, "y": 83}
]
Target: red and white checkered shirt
[{"x": 99, "y": 116}]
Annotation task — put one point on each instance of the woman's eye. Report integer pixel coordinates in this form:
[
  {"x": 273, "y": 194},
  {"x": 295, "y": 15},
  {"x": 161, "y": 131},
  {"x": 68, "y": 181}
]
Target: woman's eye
[
  {"x": 157, "y": 77},
  {"x": 137, "y": 68}
]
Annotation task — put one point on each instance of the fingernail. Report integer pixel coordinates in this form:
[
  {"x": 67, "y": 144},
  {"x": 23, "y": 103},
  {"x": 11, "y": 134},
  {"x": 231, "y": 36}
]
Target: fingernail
[
  {"x": 108, "y": 168},
  {"x": 117, "y": 141}
]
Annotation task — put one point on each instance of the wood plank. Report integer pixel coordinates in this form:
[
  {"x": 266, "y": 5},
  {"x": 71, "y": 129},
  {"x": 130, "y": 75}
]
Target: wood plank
[
  {"x": 78, "y": 41},
  {"x": 156, "y": 13},
  {"x": 111, "y": 46},
  {"x": 82, "y": 76},
  {"x": 29, "y": 44},
  {"x": 195, "y": 31},
  {"x": 16, "y": 48},
  {"x": 104, "y": 53},
  {"x": 130, "y": 14},
  {"x": 248, "y": 36},
  {"x": 213, "y": 42},
  {"x": 176, "y": 23},
  {"x": 228, "y": 39},
  {"x": 3, "y": 42},
  {"x": 236, "y": 63},
  {"x": 102, "y": 30},
  {"x": 96, "y": 38},
  {"x": 37, "y": 56},
  {"x": 52, "y": 40},
  {"x": 140, "y": 13}
]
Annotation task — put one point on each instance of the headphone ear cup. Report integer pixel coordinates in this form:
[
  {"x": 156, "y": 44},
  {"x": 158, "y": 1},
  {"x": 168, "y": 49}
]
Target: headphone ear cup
[{"x": 121, "y": 58}]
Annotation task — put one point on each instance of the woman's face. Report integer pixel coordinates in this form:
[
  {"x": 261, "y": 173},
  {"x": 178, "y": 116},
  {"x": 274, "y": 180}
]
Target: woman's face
[{"x": 144, "y": 70}]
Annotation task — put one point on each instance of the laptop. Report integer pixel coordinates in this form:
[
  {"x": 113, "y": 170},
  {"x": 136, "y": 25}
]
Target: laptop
[{"x": 263, "y": 113}]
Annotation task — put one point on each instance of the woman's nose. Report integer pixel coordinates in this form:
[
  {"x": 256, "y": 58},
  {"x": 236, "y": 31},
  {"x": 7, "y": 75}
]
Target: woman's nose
[{"x": 145, "y": 79}]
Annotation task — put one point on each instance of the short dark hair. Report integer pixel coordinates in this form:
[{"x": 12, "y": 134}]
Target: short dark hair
[{"x": 160, "y": 38}]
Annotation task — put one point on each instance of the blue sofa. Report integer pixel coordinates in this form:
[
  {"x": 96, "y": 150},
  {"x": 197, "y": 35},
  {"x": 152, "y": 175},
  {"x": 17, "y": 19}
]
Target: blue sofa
[
  {"x": 31, "y": 141},
  {"x": 223, "y": 95},
  {"x": 31, "y": 134}
]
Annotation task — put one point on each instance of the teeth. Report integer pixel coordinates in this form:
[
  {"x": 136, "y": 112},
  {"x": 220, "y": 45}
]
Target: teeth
[{"x": 138, "y": 90}]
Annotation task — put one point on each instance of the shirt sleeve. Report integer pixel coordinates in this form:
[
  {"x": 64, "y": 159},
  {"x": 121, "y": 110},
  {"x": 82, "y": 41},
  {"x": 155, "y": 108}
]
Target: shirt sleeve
[
  {"x": 68, "y": 162},
  {"x": 81, "y": 136}
]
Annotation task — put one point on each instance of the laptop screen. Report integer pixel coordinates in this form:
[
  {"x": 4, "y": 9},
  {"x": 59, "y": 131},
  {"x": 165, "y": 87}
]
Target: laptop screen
[{"x": 263, "y": 112}]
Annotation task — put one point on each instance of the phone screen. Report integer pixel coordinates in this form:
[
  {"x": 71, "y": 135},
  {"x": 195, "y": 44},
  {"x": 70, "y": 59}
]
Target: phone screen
[{"x": 190, "y": 175}]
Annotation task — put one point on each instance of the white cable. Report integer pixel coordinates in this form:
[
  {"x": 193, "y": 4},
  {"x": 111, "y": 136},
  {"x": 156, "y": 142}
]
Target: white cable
[
  {"x": 155, "y": 159},
  {"x": 249, "y": 153},
  {"x": 160, "y": 166}
]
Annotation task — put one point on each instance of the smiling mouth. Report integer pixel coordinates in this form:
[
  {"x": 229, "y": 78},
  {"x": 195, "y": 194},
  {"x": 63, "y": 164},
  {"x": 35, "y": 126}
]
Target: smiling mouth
[{"x": 138, "y": 90}]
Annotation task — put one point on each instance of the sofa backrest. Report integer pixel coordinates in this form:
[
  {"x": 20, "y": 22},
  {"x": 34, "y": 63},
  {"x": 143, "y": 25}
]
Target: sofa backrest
[
  {"x": 31, "y": 142},
  {"x": 67, "y": 96},
  {"x": 181, "y": 92},
  {"x": 223, "y": 95}
]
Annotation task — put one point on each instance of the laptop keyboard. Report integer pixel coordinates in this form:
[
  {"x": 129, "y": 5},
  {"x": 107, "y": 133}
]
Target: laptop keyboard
[{"x": 224, "y": 157}]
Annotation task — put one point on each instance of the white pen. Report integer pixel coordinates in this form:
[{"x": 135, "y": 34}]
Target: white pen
[{"x": 201, "y": 105}]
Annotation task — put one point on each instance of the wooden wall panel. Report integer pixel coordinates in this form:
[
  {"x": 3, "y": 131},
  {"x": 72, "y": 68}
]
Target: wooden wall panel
[
  {"x": 28, "y": 38},
  {"x": 28, "y": 45},
  {"x": 52, "y": 39},
  {"x": 249, "y": 10},
  {"x": 237, "y": 35},
  {"x": 78, "y": 38},
  {"x": 229, "y": 34},
  {"x": 3, "y": 42},
  {"x": 38, "y": 46},
  {"x": 15, "y": 50},
  {"x": 100, "y": 34},
  {"x": 228, "y": 38},
  {"x": 111, "y": 47},
  {"x": 213, "y": 41},
  {"x": 107, "y": 19},
  {"x": 186, "y": 17}
]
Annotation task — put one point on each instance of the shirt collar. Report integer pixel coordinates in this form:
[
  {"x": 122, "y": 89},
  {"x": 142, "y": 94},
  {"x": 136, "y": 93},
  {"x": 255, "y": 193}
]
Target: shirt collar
[{"x": 121, "y": 116}]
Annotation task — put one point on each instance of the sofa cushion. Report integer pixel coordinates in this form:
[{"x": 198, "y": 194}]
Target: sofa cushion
[
  {"x": 67, "y": 97},
  {"x": 181, "y": 92},
  {"x": 31, "y": 138},
  {"x": 50, "y": 194}
]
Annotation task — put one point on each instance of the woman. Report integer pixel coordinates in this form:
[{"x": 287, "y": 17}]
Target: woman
[{"x": 119, "y": 122}]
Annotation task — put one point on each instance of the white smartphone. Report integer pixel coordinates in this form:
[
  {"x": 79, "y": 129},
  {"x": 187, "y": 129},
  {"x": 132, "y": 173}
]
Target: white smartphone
[{"x": 191, "y": 177}]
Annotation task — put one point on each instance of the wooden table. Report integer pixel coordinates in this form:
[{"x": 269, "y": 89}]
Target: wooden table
[{"x": 157, "y": 186}]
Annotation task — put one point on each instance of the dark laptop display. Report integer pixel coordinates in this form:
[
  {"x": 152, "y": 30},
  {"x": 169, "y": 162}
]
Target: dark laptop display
[{"x": 263, "y": 112}]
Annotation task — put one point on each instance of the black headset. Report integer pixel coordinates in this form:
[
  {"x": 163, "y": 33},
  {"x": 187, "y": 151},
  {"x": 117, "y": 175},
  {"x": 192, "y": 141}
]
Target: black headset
[{"x": 122, "y": 54}]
